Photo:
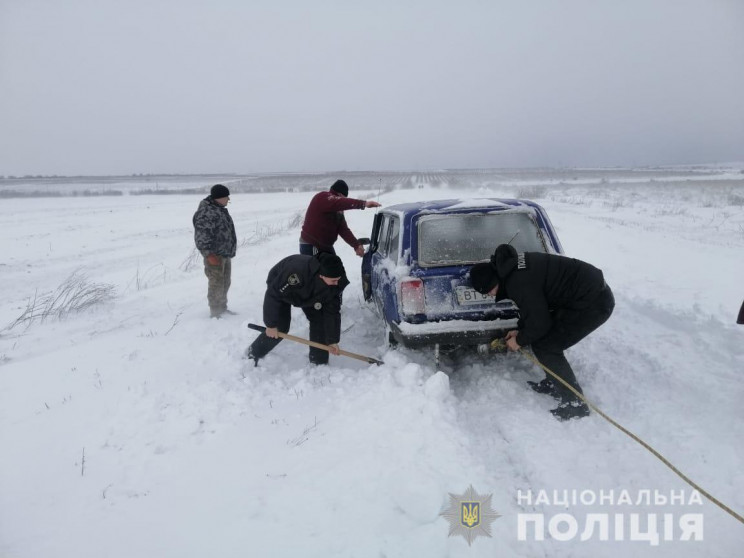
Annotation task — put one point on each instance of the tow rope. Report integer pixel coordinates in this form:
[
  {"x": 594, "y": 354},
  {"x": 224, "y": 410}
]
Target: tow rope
[{"x": 614, "y": 423}]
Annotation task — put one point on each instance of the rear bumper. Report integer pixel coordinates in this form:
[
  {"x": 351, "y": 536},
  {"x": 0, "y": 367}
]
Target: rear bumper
[{"x": 452, "y": 332}]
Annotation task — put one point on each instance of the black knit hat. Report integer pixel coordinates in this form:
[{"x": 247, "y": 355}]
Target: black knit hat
[
  {"x": 340, "y": 187},
  {"x": 331, "y": 265},
  {"x": 219, "y": 191},
  {"x": 483, "y": 277}
]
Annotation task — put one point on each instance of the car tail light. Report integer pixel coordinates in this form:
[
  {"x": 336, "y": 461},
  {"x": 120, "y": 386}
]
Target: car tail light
[{"x": 412, "y": 296}]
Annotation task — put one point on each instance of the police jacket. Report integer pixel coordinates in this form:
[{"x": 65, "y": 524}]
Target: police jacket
[
  {"x": 214, "y": 231},
  {"x": 541, "y": 283},
  {"x": 325, "y": 222},
  {"x": 296, "y": 280}
]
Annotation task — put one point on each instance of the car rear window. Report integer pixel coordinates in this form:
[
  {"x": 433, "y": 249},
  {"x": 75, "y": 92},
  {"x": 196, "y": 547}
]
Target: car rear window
[{"x": 469, "y": 238}]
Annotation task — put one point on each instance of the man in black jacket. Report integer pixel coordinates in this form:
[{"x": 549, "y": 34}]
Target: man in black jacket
[
  {"x": 214, "y": 236},
  {"x": 561, "y": 300},
  {"x": 313, "y": 283}
]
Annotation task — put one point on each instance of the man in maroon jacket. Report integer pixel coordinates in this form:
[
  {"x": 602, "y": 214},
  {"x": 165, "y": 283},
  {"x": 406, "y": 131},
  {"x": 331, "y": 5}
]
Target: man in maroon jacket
[{"x": 324, "y": 221}]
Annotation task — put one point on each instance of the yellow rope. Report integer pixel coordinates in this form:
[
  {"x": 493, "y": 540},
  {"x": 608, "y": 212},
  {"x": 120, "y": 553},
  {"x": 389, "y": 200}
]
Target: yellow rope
[{"x": 663, "y": 459}]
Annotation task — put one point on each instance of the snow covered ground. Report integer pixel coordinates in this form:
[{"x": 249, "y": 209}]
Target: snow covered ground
[{"x": 135, "y": 428}]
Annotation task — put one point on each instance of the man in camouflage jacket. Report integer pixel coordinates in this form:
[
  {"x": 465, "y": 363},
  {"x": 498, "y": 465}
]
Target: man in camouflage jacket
[{"x": 214, "y": 235}]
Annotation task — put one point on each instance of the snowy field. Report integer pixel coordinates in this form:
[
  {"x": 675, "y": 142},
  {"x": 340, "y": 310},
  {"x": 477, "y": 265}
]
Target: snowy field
[{"x": 133, "y": 427}]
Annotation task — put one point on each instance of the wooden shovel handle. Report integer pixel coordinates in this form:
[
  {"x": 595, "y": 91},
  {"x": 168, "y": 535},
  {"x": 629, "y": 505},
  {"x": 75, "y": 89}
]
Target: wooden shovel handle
[{"x": 296, "y": 339}]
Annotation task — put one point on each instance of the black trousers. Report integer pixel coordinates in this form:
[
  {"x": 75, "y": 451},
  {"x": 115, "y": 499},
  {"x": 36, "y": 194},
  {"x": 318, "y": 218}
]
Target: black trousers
[
  {"x": 264, "y": 344},
  {"x": 310, "y": 250},
  {"x": 570, "y": 327}
]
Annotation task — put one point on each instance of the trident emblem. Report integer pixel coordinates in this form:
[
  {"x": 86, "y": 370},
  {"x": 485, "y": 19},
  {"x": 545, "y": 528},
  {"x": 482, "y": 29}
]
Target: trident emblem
[{"x": 470, "y": 514}]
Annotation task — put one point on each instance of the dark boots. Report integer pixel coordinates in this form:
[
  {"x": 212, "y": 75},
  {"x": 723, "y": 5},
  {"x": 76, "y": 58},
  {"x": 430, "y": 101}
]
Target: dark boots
[
  {"x": 249, "y": 355},
  {"x": 570, "y": 407},
  {"x": 546, "y": 387}
]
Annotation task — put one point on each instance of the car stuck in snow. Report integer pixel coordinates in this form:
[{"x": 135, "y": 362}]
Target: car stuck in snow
[{"x": 415, "y": 270}]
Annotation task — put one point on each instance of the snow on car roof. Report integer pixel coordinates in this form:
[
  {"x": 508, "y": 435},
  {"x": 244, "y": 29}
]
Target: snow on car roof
[{"x": 433, "y": 206}]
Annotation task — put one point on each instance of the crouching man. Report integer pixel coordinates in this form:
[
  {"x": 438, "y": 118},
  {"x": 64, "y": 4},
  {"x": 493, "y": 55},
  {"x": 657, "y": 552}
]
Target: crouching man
[
  {"x": 313, "y": 283},
  {"x": 561, "y": 300}
]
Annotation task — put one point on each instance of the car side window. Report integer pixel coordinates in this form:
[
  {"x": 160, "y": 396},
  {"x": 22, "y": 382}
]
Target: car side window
[
  {"x": 384, "y": 236},
  {"x": 392, "y": 249}
]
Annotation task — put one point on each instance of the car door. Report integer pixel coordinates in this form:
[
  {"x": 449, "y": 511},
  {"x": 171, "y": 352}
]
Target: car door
[
  {"x": 367, "y": 262},
  {"x": 388, "y": 280},
  {"x": 381, "y": 283}
]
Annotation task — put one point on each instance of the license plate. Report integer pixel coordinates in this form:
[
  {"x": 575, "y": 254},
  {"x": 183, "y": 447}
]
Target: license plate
[{"x": 467, "y": 296}]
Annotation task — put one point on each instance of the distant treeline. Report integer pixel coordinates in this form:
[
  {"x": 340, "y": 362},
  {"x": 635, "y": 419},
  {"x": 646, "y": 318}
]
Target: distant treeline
[
  {"x": 202, "y": 191},
  {"x": 60, "y": 179},
  {"x": 72, "y": 194},
  {"x": 532, "y": 183}
]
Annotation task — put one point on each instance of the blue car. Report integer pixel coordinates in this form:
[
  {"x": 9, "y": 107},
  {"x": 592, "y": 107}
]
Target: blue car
[{"x": 415, "y": 270}]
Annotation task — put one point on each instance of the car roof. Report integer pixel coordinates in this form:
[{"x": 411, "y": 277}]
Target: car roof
[
  {"x": 461, "y": 204},
  {"x": 411, "y": 212}
]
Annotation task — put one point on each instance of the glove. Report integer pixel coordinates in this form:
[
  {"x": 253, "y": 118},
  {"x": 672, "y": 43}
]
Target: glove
[
  {"x": 498, "y": 344},
  {"x": 213, "y": 259}
]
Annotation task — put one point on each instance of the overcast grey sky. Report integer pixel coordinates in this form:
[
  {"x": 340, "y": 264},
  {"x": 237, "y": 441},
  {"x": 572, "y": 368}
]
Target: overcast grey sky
[{"x": 189, "y": 86}]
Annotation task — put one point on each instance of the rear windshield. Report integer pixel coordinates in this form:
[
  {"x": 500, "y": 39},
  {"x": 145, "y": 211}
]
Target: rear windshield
[{"x": 470, "y": 238}]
